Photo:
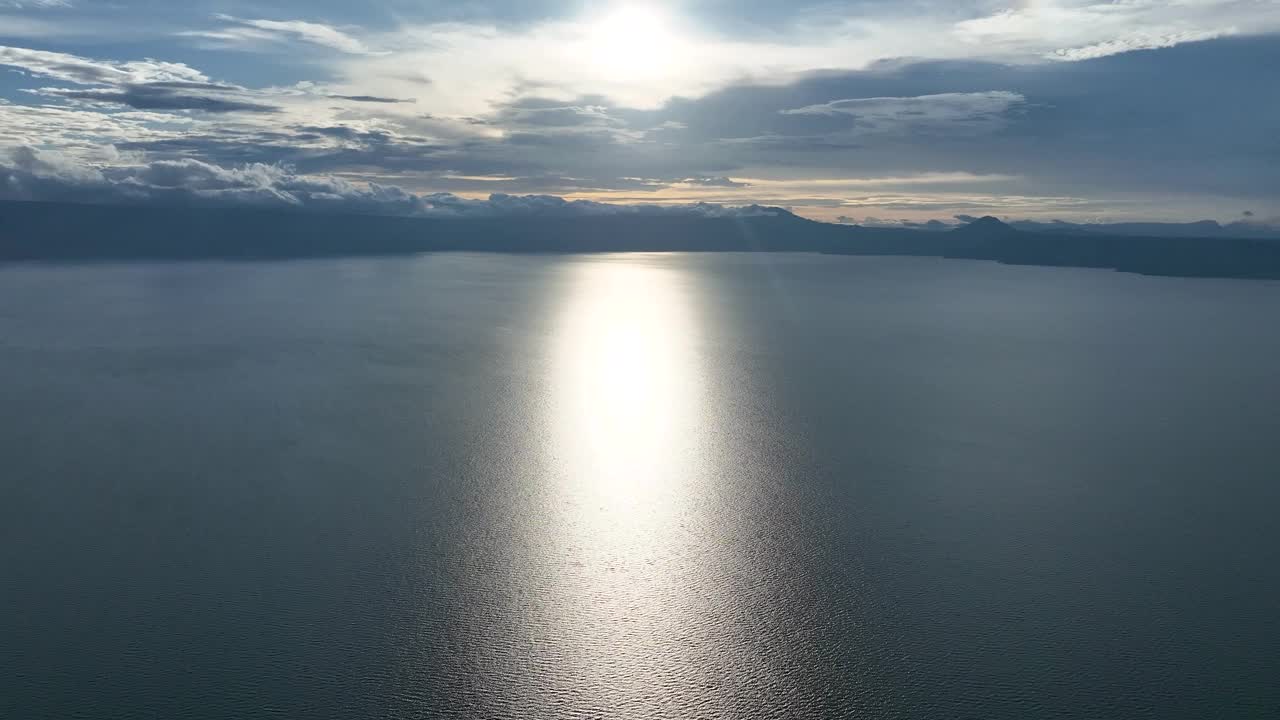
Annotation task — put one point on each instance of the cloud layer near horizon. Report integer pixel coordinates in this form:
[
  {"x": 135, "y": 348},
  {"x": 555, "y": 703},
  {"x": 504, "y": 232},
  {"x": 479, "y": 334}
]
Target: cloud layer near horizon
[{"x": 31, "y": 174}]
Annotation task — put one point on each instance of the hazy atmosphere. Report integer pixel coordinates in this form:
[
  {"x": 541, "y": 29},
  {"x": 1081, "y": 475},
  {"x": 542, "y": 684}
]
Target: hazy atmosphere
[{"x": 865, "y": 111}]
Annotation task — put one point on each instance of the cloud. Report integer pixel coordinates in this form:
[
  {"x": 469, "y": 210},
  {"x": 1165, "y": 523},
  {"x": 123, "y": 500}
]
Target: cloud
[
  {"x": 872, "y": 221},
  {"x": 645, "y": 54},
  {"x": 935, "y": 203},
  {"x": 368, "y": 99},
  {"x": 642, "y": 64},
  {"x": 1137, "y": 41},
  {"x": 161, "y": 96},
  {"x": 540, "y": 112},
  {"x": 39, "y": 4},
  {"x": 721, "y": 182},
  {"x": 502, "y": 205},
  {"x": 52, "y": 166},
  {"x": 1179, "y": 130},
  {"x": 247, "y": 31},
  {"x": 32, "y": 174},
  {"x": 143, "y": 85},
  {"x": 81, "y": 132},
  {"x": 944, "y": 112},
  {"x": 1083, "y": 29},
  {"x": 165, "y": 86},
  {"x": 85, "y": 71},
  {"x": 28, "y": 173}
]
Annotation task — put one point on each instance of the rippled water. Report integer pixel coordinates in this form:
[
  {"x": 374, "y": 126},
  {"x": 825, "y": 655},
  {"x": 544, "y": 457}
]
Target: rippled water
[{"x": 668, "y": 486}]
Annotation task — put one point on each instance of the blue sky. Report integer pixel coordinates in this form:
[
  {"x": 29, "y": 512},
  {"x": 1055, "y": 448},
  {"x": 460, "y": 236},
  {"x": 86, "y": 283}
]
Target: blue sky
[{"x": 1074, "y": 109}]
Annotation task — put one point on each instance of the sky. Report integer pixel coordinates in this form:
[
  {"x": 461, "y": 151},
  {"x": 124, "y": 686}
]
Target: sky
[{"x": 872, "y": 111}]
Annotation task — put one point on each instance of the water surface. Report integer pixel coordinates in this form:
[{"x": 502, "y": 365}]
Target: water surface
[{"x": 636, "y": 486}]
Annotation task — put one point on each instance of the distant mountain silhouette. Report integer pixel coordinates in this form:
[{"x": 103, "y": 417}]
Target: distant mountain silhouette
[
  {"x": 62, "y": 232},
  {"x": 1199, "y": 228},
  {"x": 987, "y": 226}
]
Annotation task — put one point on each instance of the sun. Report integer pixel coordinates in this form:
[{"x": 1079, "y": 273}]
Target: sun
[{"x": 633, "y": 42}]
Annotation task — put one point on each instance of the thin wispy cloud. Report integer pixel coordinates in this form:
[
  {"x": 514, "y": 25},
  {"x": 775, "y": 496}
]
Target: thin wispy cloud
[
  {"x": 1082, "y": 29},
  {"x": 1138, "y": 41},
  {"x": 164, "y": 96},
  {"x": 26, "y": 4},
  {"x": 946, "y": 112},
  {"x": 248, "y": 32},
  {"x": 90, "y": 71}
]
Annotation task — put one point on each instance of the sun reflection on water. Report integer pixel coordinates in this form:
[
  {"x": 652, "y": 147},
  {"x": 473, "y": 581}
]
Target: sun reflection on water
[
  {"x": 626, "y": 409},
  {"x": 627, "y": 385}
]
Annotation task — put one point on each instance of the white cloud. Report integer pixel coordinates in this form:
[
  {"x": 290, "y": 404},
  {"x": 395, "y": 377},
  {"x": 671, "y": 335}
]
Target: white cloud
[
  {"x": 1081, "y": 29},
  {"x": 1137, "y": 41},
  {"x": 28, "y": 173},
  {"x": 643, "y": 58},
  {"x": 83, "y": 131},
  {"x": 861, "y": 183},
  {"x": 248, "y": 32},
  {"x": 562, "y": 102},
  {"x": 53, "y": 166},
  {"x": 43, "y": 4},
  {"x": 471, "y": 68},
  {"x": 954, "y": 113},
  {"x": 86, "y": 71}
]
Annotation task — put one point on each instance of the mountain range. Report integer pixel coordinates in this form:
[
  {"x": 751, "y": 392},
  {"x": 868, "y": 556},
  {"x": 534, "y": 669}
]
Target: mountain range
[
  {"x": 39, "y": 231},
  {"x": 1199, "y": 228}
]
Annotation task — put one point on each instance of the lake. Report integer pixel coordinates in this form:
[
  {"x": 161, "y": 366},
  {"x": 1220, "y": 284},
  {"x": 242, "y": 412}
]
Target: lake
[{"x": 637, "y": 486}]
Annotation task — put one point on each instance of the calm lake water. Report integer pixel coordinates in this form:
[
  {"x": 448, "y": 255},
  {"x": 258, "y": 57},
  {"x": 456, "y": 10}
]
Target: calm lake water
[{"x": 640, "y": 486}]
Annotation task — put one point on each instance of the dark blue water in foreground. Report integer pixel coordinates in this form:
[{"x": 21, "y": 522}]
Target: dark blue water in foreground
[{"x": 637, "y": 487}]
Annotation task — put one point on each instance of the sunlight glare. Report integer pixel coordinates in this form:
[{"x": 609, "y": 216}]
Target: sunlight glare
[
  {"x": 628, "y": 389},
  {"x": 627, "y": 415},
  {"x": 634, "y": 42}
]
